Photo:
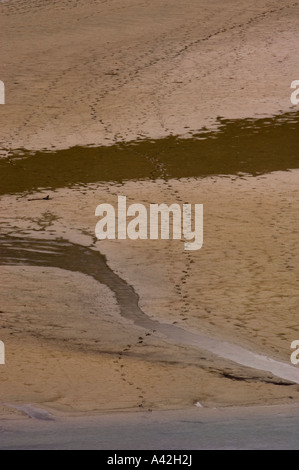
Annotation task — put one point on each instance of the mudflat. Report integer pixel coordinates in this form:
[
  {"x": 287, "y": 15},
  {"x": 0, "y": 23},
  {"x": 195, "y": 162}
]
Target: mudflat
[
  {"x": 161, "y": 104},
  {"x": 82, "y": 73}
]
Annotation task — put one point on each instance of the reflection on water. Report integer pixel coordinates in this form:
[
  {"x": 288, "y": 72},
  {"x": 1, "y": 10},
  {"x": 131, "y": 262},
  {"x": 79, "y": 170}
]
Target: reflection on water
[{"x": 252, "y": 146}]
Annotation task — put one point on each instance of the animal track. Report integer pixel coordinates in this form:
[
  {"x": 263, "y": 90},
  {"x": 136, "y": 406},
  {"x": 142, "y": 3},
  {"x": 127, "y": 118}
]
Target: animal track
[{"x": 125, "y": 375}]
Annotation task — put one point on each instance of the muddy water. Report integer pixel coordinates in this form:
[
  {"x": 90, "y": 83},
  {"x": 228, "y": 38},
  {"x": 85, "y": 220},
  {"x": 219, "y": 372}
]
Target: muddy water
[
  {"x": 252, "y": 146},
  {"x": 236, "y": 147}
]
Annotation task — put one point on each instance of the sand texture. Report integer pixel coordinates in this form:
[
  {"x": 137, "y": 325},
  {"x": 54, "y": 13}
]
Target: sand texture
[{"x": 103, "y": 72}]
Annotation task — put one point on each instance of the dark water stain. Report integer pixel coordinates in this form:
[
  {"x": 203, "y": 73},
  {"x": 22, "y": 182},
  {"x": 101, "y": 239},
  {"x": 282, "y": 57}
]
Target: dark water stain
[
  {"x": 252, "y": 146},
  {"x": 72, "y": 257},
  {"x": 65, "y": 255}
]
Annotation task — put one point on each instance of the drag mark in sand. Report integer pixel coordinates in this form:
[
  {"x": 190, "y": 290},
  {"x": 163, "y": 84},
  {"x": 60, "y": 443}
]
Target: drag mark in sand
[
  {"x": 68, "y": 256},
  {"x": 33, "y": 412}
]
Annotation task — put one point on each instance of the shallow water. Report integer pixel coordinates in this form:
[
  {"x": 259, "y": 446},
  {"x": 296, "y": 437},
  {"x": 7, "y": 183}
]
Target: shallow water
[
  {"x": 276, "y": 429},
  {"x": 65, "y": 255},
  {"x": 250, "y": 146}
]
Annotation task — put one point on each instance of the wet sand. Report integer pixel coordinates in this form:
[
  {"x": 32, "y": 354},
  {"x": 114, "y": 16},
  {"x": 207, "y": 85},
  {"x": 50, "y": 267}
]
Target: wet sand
[
  {"x": 95, "y": 317},
  {"x": 261, "y": 428},
  {"x": 97, "y": 106},
  {"x": 79, "y": 73},
  {"x": 238, "y": 147}
]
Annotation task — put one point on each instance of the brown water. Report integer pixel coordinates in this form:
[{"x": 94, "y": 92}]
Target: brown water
[
  {"x": 235, "y": 148},
  {"x": 251, "y": 146}
]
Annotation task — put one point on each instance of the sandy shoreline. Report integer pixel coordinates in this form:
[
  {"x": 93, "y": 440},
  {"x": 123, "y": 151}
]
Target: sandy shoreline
[
  {"x": 78, "y": 74},
  {"x": 260, "y": 428},
  {"x": 105, "y": 73},
  {"x": 76, "y": 319}
]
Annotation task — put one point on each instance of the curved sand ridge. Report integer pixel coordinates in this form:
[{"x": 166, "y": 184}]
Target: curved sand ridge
[{"x": 72, "y": 257}]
